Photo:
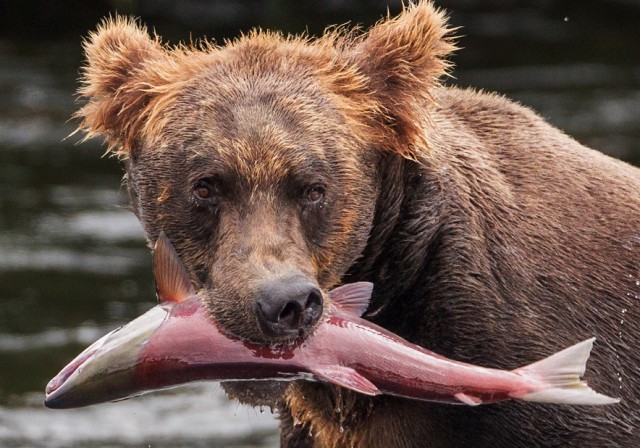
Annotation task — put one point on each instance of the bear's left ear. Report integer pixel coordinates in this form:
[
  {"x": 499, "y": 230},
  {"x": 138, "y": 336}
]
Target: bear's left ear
[
  {"x": 404, "y": 57},
  {"x": 126, "y": 72}
]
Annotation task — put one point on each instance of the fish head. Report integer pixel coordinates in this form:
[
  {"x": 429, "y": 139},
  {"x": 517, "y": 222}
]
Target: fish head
[
  {"x": 108, "y": 369},
  {"x": 105, "y": 371}
]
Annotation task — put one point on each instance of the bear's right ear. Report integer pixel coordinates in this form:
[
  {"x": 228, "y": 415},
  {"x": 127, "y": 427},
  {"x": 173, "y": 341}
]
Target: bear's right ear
[{"x": 117, "y": 84}]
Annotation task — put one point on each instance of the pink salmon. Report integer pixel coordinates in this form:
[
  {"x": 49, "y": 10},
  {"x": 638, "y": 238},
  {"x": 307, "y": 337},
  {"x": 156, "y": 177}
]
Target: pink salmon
[{"x": 177, "y": 342}]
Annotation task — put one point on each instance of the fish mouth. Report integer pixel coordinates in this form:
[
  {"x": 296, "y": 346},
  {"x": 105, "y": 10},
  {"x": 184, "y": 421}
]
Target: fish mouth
[
  {"x": 106, "y": 370},
  {"x": 65, "y": 373}
]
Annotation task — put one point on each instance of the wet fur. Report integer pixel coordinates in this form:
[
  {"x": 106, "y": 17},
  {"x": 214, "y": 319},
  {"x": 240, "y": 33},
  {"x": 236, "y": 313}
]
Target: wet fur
[{"x": 491, "y": 236}]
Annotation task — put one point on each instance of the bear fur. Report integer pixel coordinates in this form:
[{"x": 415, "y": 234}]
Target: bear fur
[{"x": 491, "y": 236}]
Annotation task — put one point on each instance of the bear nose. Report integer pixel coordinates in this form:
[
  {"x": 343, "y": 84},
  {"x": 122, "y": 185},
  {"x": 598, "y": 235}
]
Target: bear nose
[{"x": 288, "y": 308}]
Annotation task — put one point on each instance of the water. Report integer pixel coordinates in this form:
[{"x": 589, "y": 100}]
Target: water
[
  {"x": 73, "y": 261},
  {"x": 194, "y": 416}
]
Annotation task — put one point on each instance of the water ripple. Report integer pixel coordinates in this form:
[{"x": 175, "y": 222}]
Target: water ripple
[{"x": 194, "y": 415}]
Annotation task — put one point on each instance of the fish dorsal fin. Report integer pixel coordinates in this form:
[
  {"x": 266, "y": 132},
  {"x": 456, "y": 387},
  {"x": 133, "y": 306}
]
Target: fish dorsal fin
[
  {"x": 347, "y": 378},
  {"x": 172, "y": 281},
  {"x": 352, "y": 297}
]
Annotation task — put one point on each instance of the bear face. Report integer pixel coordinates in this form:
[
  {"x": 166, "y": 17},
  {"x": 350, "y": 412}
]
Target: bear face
[
  {"x": 260, "y": 159},
  {"x": 256, "y": 195}
]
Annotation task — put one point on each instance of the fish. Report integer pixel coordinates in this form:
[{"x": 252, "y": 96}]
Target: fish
[{"x": 178, "y": 342}]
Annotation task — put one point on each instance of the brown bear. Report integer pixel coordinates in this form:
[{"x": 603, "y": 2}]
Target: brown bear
[{"x": 282, "y": 166}]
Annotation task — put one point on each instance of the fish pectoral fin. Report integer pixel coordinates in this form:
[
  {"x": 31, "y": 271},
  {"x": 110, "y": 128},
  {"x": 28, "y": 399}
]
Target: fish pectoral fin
[
  {"x": 347, "y": 378},
  {"x": 468, "y": 399},
  {"x": 352, "y": 297}
]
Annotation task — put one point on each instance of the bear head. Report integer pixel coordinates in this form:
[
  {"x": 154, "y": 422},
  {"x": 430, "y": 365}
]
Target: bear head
[{"x": 261, "y": 159}]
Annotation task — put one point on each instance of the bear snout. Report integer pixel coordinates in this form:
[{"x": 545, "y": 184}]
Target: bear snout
[{"x": 288, "y": 308}]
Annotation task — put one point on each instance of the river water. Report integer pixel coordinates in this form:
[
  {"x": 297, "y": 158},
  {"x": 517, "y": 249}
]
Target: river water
[{"x": 73, "y": 261}]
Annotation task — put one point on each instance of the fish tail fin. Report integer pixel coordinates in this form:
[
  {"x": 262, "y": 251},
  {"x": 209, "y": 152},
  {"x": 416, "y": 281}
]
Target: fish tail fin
[{"x": 561, "y": 373}]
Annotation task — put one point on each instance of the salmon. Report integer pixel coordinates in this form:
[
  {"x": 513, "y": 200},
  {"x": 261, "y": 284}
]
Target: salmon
[{"x": 177, "y": 342}]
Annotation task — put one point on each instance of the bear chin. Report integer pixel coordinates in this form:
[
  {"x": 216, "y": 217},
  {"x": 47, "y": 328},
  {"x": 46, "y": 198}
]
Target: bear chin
[{"x": 256, "y": 393}]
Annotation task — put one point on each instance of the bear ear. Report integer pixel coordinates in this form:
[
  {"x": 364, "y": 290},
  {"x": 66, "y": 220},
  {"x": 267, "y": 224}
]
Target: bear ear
[
  {"x": 404, "y": 57},
  {"x": 116, "y": 84}
]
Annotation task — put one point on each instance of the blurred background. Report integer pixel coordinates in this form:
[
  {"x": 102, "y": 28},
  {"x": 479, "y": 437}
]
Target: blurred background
[{"x": 73, "y": 261}]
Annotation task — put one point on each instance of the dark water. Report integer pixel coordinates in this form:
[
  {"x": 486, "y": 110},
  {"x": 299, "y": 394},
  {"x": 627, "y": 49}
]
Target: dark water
[{"x": 73, "y": 261}]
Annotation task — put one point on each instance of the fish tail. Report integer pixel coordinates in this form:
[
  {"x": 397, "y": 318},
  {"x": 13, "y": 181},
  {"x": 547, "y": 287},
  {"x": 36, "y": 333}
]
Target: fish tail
[{"x": 561, "y": 373}]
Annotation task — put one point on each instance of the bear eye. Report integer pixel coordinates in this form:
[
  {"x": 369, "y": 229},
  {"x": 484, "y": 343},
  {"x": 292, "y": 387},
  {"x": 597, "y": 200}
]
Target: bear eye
[
  {"x": 314, "y": 193},
  {"x": 205, "y": 192}
]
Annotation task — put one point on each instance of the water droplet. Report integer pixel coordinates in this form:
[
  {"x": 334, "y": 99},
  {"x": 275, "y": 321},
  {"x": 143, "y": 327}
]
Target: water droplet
[
  {"x": 566, "y": 19},
  {"x": 637, "y": 282},
  {"x": 338, "y": 410},
  {"x": 342, "y": 427}
]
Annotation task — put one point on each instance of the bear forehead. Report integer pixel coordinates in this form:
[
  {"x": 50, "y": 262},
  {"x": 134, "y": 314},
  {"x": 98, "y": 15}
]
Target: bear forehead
[
  {"x": 255, "y": 127},
  {"x": 254, "y": 120},
  {"x": 240, "y": 107},
  {"x": 256, "y": 142}
]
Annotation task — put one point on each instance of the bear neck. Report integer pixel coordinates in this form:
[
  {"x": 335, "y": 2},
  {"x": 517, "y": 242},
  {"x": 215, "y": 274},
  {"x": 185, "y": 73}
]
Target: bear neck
[
  {"x": 403, "y": 240},
  {"x": 448, "y": 209}
]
